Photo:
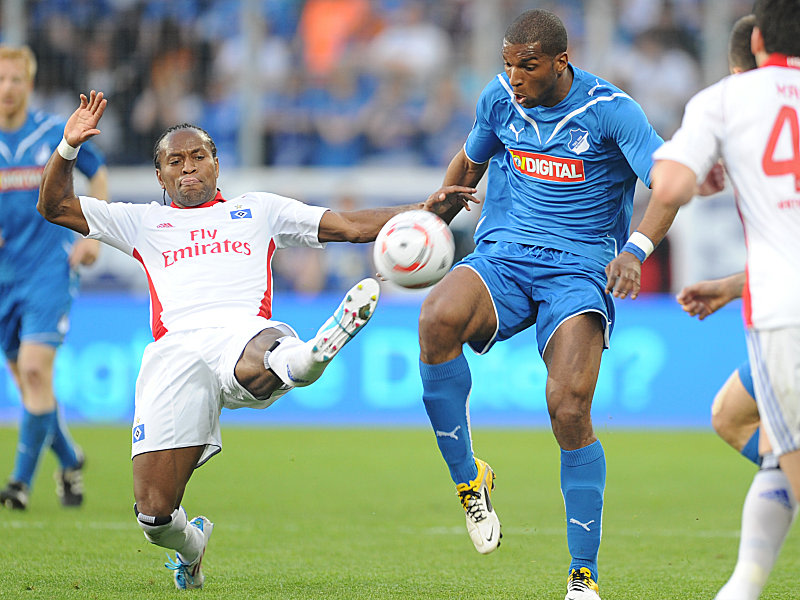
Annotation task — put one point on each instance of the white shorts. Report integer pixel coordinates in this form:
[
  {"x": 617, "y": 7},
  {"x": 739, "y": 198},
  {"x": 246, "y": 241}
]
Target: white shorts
[
  {"x": 185, "y": 381},
  {"x": 775, "y": 364}
]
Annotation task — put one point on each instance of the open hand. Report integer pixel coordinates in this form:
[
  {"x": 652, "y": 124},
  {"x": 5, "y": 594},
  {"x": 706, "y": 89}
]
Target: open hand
[{"x": 82, "y": 124}]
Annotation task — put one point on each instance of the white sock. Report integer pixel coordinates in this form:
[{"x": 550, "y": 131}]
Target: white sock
[
  {"x": 768, "y": 512},
  {"x": 293, "y": 362},
  {"x": 176, "y": 535}
]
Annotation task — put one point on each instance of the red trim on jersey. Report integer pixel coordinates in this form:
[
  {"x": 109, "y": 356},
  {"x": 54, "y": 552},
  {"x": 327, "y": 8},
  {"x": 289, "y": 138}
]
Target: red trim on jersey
[
  {"x": 782, "y": 60},
  {"x": 266, "y": 302},
  {"x": 216, "y": 200},
  {"x": 747, "y": 306},
  {"x": 155, "y": 304},
  {"x": 747, "y": 303}
]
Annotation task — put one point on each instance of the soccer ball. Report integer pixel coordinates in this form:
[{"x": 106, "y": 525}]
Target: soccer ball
[{"x": 414, "y": 249}]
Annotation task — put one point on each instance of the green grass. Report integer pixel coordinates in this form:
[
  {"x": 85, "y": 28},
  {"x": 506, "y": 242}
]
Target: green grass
[{"x": 371, "y": 513}]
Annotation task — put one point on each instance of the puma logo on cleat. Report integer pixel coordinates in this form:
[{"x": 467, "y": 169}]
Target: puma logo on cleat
[
  {"x": 450, "y": 434},
  {"x": 584, "y": 525}
]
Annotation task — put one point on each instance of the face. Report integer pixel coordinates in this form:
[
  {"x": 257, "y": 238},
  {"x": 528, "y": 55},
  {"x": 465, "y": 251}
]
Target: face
[
  {"x": 188, "y": 170},
  {"x": 15, "y": 87},
  {"x": 536, "y": 78}
]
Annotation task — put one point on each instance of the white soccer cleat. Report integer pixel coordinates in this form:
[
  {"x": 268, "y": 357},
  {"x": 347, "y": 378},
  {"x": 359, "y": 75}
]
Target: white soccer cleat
[
  {"x": 581, "y": 586},
  {"x": 353, "y": 313},
  {"x": 299, "y": 364},
  {"x": 189, "y": 576},
  {"x": 482, "y": 522}
]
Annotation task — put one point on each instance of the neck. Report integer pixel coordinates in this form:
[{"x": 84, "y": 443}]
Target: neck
[{"x": 13, "y": 121}]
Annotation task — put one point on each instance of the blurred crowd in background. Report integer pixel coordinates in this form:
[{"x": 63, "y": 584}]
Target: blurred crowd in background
[{"x": 334, "y": 83}]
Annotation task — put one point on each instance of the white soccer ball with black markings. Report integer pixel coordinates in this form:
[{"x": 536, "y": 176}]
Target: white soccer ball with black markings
[{"x": 414, "y": 249}]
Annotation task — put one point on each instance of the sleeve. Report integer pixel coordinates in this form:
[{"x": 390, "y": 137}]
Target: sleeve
[
  {"x": 294, "y": 223},
  {"x": 89, "y": 159},
  {"x": 482, "y": 142},
  {"x": 634, "y": 135},
  {"x": 697, "y": 143},
  {"x": 116, "y": 224}
]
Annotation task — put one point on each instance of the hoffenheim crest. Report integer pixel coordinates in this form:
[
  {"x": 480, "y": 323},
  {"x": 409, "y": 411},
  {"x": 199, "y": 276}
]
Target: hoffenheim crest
[{"x": 578, "y": 140}]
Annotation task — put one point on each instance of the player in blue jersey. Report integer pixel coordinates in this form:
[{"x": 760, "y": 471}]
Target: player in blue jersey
[
  {"x": 37, "y": 278},
  {"x": 563, "y": 150}
]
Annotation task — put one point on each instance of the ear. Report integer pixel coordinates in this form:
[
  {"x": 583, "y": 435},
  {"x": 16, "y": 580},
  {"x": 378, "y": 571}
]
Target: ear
[
  {"x": 757, "y": 44},
  {"x": 561, "y": 62},
  {"x": 160, "y": 181}
]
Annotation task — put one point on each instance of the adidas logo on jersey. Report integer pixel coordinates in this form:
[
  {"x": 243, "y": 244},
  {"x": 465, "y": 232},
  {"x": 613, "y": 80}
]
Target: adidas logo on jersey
[{"x": 164, "y": 225}]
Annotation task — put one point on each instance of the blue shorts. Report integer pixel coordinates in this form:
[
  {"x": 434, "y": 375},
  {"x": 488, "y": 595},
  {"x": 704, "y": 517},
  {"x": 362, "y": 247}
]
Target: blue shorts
[
  {"x": 534, "y": 285},
  {"x": 34, "y": 311},
  {"x": 746, "y": 377}
]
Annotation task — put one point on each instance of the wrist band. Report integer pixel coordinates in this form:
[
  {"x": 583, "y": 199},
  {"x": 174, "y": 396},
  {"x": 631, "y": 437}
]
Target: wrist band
[
  {"x": 639, "y": 245},
  {"x": 66, "y": 151}
]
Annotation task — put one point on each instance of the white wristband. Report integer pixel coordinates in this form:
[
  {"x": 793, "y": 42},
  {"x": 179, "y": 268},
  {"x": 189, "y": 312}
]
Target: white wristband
[
  {"x": 66, "y": 151},
  {"x": 642, "y": 242}
]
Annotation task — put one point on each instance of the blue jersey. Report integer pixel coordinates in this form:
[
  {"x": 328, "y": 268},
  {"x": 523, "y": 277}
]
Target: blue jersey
[
  {"x": 31, "y": 245},
  {"x": 561, "y": 177}
]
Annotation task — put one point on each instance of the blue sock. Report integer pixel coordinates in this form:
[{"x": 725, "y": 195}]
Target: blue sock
[
  {"x": 62, "y": 444},
  {"x": 34, "y": 433},
  {"x": 750, "y": 450},
  {"x": 445, "y": 392},
  {"x": 583, "y": 479}
]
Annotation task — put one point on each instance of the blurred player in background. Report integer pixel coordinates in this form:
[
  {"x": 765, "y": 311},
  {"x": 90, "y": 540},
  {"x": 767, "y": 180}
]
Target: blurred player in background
[
  {"x": 207, "y": 261},
  {"x": 37, "y": 278},
  {"x": 563, "y": 150},
  {"x": 752, "y": 122},
  {"x": 734, "y": 414}
]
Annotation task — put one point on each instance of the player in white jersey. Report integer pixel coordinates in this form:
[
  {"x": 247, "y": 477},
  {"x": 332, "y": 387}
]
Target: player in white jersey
[
  {"x": 752, "y": 122},
  {"x": 207, "y": 261}
]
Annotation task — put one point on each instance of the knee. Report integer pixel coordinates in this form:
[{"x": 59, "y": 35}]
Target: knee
[
  {"x": 33, "y": 376},
  {"x": 438, "y": 326},
  {"x": 570, "y": 417}
]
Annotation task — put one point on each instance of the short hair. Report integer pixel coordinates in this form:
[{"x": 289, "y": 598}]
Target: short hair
[
  {"x": 23, "y": 53},
  {"x": 538, "y": 26},
  {"x": 740, "y": 55},
  {"x": 779, "y": 22},
  {"x": 160, "y": 141}
]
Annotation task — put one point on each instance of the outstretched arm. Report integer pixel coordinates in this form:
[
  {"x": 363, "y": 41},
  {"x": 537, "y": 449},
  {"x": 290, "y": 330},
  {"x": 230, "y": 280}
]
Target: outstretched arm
[
  {"x": 57, "y": 200},
  {"x": 706, "y": 297},
  {"x": 361, "y": 226}
]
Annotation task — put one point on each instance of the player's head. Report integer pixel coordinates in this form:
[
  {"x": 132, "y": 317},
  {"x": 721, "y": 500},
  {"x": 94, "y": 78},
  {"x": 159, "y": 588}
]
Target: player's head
[
  {"x": 740, "y": 56},
  {"x": 17, "y": 70},
  {"x": 535, "y": 58},
  {"x": 778, "y": 24},
  {"x": 186, "y": 163}
]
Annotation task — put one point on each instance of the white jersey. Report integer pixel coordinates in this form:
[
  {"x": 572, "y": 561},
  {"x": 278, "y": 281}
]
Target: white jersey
[
  {"x": 752, "y": 122},
  {"x": 207, "y": 266}
]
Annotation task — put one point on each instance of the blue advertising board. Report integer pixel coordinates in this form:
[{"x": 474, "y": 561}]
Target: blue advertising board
[{"x": 663, "y": 368}]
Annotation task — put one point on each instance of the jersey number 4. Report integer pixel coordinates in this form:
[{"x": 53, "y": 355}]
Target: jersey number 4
[{"x": 785, "y": 166}]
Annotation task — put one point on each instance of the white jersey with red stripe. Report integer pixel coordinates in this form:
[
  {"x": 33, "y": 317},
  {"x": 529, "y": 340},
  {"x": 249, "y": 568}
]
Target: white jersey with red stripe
[
  {"x": 207, "y": 266},
  {"x": 752, "y": 122}
]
